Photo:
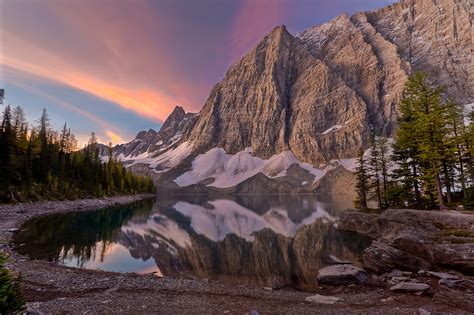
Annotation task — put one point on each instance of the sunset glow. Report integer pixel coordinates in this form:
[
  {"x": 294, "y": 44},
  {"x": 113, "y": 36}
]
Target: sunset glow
[{"x": 126, "y": 66}]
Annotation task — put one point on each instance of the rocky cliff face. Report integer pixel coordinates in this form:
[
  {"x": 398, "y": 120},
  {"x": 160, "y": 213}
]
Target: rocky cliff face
[
  {"x": 279, "y": 97},
  {"x": 316, "y": 97},
  {"x": 174, "y": 129}
]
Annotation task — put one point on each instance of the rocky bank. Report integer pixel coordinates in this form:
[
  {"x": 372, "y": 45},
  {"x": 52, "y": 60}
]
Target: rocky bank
[{"x": 416, "y": 241}]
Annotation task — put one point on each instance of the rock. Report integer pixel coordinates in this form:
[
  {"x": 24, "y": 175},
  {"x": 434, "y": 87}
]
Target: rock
[
  {"x": 461, "y": 297},
  {"x": 421, "y": 272},
  {"x": 12, "y": 230},
  {"x": 452, "y": 284},
  {"x": 400, "y": 279},
  {"x": 322, "y": 299},
  {"x": 455, "y": 256},
  {"x": 342, "y": 274},
  {"x": 387, "y": 299},
  {"x": 254, "y": 312},
  {"x": 422, "y": 311},
  {"x": 361, "y": 223},
  {"x": 336, "y": 260},
  {"x": 395, "y": 273},
  {"x": 410, "y": 287},
  {"x": 380, "y": 258},
  {"x": 443, "y": 275}
]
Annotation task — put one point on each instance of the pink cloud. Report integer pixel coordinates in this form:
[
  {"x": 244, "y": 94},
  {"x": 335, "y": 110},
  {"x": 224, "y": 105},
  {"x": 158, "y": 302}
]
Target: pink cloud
[{"x": 252, "y": 22}]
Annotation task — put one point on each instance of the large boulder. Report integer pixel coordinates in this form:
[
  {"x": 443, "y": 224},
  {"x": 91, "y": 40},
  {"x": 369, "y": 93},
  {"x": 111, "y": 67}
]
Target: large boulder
[
  {"x": 359, "y": 222},
  {"x": 380, "y": 258},
  {"x": 414, "y": 239},
  {"x": 342, "y": 274}
]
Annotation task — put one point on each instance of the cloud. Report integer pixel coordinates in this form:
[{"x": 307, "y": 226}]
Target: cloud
[
  {"x": 99, "y": 49},
  {"x": 114, "y": 138},
  {"x": 25, "y": 57},
  {"x": 252, "y": 22},
  {"x": 107, "y": 132}
]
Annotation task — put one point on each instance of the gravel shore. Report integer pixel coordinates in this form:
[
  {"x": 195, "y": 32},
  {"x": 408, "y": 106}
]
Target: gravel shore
[{"x": 50, "y": 288}]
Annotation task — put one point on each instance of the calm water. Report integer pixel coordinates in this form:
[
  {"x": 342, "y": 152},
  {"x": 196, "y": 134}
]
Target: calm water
[{"x": 273, "y": 241}]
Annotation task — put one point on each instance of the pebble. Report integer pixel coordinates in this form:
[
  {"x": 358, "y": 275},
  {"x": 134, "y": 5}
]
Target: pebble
[
  {"x": 422, "y": 311},
  {"x": 395, "y": 273},
  {"x": 387, "y": 299},
  {"x": 323, "y": 299},
  {"x": 400, "y": 279}
]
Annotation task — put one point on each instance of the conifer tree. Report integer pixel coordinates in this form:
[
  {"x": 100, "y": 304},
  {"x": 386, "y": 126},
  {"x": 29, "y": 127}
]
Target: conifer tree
[
  {"x": 362, "y": 183},
  {"x": 40, "y": 163},
  {"x": 375, "y": 172}
]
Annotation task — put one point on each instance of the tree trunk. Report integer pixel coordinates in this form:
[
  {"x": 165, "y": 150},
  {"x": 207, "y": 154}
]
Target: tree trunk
[
  {"x": 461, "y": 173},
  {"x": 447, "y": 183},
  {"x": 439, "y": 191},
  {"x": 416, "y": 188}
]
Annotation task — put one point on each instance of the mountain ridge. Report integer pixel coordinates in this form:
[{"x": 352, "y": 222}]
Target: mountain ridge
[{"x": 318, "y": 95}]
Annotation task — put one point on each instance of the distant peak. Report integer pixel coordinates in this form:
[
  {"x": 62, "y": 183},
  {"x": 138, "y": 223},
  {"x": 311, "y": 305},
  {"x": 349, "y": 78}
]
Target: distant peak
[{"x": 178, "y": 109}]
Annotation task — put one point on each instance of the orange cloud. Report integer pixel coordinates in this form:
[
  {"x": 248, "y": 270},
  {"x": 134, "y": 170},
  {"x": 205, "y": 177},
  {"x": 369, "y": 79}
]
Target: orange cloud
[
  {"x": 25, "y": 57},
  {"x": 114, "y": 138},
  {"x": 106, "y": 128}
]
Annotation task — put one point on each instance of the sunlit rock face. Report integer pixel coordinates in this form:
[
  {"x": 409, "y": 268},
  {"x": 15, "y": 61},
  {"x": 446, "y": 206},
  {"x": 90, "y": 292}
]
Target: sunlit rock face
[{"x": 315, "y": 97}]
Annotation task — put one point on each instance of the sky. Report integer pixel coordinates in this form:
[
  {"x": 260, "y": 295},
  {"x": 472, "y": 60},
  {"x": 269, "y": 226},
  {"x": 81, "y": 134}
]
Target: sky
[{"x": 115, "y": 67}]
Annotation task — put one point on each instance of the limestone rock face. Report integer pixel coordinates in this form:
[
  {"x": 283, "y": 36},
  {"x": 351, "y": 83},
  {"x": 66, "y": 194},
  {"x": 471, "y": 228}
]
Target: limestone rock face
[
  {"x": 318, "y": 94},
  {"x": 368, "y": 63},
  {"x": 432, "y": 36},
  {"x": 280, "y": 97}
]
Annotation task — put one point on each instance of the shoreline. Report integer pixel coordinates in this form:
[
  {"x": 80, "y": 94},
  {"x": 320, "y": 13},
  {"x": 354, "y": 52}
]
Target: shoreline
[{"x": 52, "y": 288}]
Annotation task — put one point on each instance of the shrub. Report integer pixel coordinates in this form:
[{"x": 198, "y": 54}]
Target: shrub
[{"x": 11, "y": 299}]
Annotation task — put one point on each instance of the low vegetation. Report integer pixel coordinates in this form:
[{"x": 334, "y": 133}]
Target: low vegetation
[
  {"x": 40, "y": 163},
  {"x": 431, "y": 160},
  {"x": 11, "y": 300}
]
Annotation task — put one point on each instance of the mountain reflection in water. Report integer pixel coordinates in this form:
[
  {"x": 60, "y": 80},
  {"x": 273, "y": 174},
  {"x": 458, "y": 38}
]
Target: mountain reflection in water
[{"x": 272, "y": 241}]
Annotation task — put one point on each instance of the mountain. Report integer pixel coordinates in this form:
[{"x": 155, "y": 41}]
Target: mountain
[
  {"x": 296, "y": 109},
  {"x": 151, "y": 142}
]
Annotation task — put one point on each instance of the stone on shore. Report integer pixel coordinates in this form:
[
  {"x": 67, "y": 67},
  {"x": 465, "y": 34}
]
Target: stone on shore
[
  {"x": 410, "y": 287},
  {"x": 337, "y": 260},
  {"x": 322, "y": 299},
  {"x": 444, "y": 275},
  {"x": 342, "y": 274}
]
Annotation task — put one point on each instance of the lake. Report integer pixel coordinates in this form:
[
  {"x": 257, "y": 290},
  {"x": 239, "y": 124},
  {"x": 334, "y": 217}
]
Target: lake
[{"x": 272, "y": 241}]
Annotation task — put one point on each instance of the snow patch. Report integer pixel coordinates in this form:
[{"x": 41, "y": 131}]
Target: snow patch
[
  {"x": 228, "y": 217},
  {"x": 335, "y": 127},
  {"x": 229, "y": 170},
  {"x": 163, "y": 162}
]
